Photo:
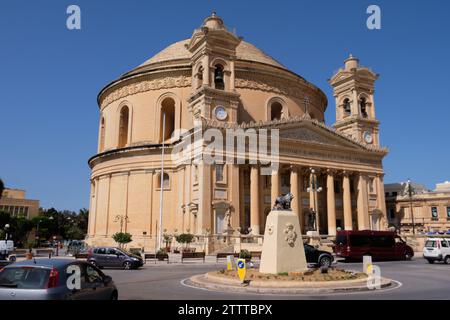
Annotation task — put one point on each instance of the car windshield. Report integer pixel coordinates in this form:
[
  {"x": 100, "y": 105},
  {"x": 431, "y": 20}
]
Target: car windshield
[
  {"x": 24, "y": 278},
  {"x": 430, "y": 244}
]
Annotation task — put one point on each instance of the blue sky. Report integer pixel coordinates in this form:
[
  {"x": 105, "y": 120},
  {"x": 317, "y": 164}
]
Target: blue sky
[{"x": 50, "y": 76}]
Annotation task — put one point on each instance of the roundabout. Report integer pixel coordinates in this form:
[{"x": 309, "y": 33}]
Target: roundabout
[{"x": 310, "y": 282}]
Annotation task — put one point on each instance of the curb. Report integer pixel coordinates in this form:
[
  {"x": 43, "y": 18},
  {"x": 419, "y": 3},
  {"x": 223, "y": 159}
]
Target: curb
[{"x": 209, "y": 282}]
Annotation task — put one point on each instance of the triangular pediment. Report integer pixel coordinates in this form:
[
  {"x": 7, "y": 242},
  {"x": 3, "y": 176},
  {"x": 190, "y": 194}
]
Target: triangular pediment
[{"x": 304, "y": 132}]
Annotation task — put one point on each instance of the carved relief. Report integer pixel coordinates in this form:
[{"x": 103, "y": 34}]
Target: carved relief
[
  {"x": 291, "y": 235},
  {"x": 263, "y": 82},
  {"x": 163, "y": 82},
  {"x": 270, "y": 229}
]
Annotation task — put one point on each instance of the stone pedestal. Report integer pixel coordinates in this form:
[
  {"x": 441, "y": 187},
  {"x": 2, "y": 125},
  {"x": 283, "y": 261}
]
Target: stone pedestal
[{"x": 283, "y": 249}]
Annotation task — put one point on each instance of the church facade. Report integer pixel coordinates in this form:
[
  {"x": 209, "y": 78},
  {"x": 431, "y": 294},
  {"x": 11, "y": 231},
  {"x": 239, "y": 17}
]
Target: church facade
[{"x": 216, "y": 80}]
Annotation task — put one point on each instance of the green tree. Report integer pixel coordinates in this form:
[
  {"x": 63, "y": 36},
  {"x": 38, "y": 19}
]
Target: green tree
[
  {"x": 122, "y": 238},
  {"x": 185, "y": 238},
  {"x": 2, "y": 187}
]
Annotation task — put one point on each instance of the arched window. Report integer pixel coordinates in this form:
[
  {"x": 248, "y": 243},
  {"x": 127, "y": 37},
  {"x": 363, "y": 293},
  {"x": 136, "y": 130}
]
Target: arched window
[
  {"x": 347, "y": 108},
  {"x": 219, "y": 77},
  {"x": 102, "y": 134},
  {"x": 166, "y": 181},
  {"x": 123, "y": 126},
  {"x": 275, "y": 111},
  {"x": 167, "y": 109},
  {"x": 363, "y": 107}
]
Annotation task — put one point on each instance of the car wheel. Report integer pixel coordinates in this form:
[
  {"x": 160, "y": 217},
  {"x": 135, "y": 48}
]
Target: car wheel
[
  {"x": 407, "y": 256},
  {"x": 447, "y": 260},
  {"x": 325, "y": 261},
  {"x": 430, "y": 261},
  {"x": 127, "y": 265},
  {"x": 114, "y": 296}
]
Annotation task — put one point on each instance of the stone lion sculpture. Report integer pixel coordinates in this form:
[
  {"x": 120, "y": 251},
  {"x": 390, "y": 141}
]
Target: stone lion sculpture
[{"x": 283, "y": 202}]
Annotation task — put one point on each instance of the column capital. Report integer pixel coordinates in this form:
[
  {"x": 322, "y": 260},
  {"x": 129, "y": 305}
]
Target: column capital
[
  {"x": 380, "y": 175},
  {"x": 331, "y": 171},
  {"x": 363, "y": 174},
  {"x": 346, "y": 173}
]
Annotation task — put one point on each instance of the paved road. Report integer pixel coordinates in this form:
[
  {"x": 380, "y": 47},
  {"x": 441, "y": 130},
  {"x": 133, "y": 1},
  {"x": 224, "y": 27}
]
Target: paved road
[{"x": 419, "y": 280}]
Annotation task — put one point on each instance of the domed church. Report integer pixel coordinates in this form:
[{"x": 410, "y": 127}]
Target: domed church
[{"x": 217, "y": 79}]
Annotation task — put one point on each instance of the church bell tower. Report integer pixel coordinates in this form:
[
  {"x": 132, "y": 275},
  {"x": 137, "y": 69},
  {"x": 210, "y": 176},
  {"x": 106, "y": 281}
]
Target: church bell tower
[
  {"x": 353, "y": 89},
  {"x": 213, "y": 50}
]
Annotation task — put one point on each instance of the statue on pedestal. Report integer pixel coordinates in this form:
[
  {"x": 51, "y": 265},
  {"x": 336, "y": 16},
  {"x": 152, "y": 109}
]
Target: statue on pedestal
[{"x": 283, "y": 202}]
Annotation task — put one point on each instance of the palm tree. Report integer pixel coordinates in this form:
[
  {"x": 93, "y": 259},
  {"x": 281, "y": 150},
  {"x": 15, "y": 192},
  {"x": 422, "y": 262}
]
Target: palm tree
[{"x": 2, "y": 187}]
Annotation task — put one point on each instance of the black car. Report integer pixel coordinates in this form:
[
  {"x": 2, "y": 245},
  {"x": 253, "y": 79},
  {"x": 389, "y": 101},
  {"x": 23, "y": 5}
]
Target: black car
[
  {"x": 318, "y": 257},
  {"x": 114, "y": 258}
]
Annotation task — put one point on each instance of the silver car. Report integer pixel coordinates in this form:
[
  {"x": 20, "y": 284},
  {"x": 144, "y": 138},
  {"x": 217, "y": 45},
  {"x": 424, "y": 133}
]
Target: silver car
[{"x": 55, "y": 279}]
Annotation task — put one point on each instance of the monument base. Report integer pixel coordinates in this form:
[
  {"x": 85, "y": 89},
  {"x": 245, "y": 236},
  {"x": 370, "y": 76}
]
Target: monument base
[{"x": 283, "y": 249}]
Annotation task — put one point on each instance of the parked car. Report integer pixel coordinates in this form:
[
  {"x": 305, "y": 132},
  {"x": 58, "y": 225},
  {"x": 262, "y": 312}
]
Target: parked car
[
  {"x": 46, "y": 279},
  {"x": 318, "y": 257},
  {"x": 114, "y": 258},
  {"x": 437, "y": 249},
  {"x": 381, "y": 245}
]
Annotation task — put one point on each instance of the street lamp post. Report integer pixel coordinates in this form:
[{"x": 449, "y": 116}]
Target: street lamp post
[
  {"x": 6, "y": 231},
  {"x": 410, "y": 192},
  {"x": 314, "y": 187},
  {"x": 37, "y": 232}
]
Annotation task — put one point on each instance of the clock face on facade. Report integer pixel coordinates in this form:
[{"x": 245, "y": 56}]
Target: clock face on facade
[
  {"x": 368, "y": 137},
  {"x": 220, "y": 113}
]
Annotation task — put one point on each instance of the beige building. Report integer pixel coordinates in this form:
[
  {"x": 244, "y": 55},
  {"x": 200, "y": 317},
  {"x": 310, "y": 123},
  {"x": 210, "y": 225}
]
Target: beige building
[
  {"x": 431, "y": 209},
  {"x": 221, "y": 82},
  {"x": 14, "y": 202}
]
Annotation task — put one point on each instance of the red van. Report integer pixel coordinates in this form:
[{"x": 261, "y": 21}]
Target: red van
[{"x": 381, "y": 245}]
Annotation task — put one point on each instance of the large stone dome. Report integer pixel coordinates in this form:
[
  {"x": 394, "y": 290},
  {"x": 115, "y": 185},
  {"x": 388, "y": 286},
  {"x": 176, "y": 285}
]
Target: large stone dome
[{"x": 178, "y": 53}]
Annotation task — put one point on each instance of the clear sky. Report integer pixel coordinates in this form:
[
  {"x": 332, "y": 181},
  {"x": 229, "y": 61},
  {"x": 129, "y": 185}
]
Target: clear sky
[{"x": 50, "y": 76}]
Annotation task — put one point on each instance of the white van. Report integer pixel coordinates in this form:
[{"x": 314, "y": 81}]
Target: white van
[
  {"x": 6, "y": 248},
  {"x": 437, "y": 249}
]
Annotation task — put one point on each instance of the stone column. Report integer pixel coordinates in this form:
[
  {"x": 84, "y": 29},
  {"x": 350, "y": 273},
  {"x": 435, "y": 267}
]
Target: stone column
[
  {"x": 232, "y": 76},
  {"x": 275, "y": 187},
  {"x": 347, "y": 202},
  {"x": 363, "y": 205},
  {"x": 254, "y": 200},
  {"x": 331, "y": 204},
  {"x": 204, "y": 212},
  {"x": 313, "y": 198},
  {"x": 241, "y": 197},
  {"x": 295, "y": 190},
  {"x": 235, "y": 195},
  {"x": 381, "y": 202},
  {"x": 206, "y": 70}
]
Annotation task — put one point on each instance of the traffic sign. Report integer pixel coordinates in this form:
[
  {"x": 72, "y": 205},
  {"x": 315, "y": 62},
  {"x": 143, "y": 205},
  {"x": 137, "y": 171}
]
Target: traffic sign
[{"x": 241, "y": 269}]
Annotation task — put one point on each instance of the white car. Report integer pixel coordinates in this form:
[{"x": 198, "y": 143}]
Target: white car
[{"x": 437, "y": 249}]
